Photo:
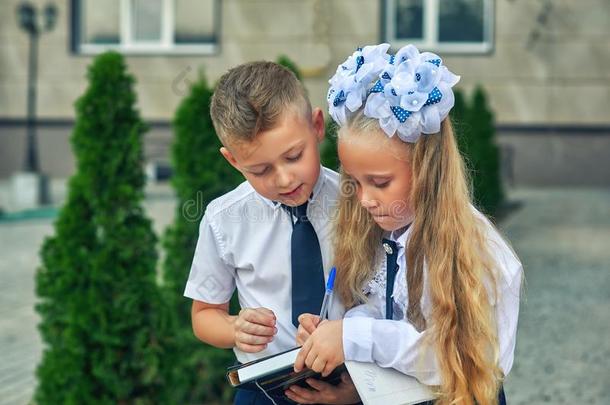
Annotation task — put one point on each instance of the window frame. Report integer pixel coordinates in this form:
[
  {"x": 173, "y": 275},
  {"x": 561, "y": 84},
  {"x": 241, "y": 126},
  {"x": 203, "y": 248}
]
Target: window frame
[
  {"x": 430, "y": 24},
  {"x": 127, "y": 45}
]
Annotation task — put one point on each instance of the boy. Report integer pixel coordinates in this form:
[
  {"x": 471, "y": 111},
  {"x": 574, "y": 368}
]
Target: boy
[{"x": 269, "y": 237}]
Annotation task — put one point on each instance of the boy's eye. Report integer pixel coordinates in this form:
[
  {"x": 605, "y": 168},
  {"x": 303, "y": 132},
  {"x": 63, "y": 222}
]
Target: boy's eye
[
  {"x": 261, "y": 173},
  {"x": 295, "y": 157}
]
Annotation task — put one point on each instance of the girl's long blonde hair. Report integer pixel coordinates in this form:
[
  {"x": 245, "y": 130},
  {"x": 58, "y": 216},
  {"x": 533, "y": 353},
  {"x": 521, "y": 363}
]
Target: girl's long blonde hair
[{"x": 449, "y": 240}]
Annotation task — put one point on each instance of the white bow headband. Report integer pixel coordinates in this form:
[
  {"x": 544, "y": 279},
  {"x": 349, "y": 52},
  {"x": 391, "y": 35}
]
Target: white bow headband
[{"x": 409, "y": 93}]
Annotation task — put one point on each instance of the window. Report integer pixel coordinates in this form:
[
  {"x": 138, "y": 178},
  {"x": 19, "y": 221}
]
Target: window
[
  {"x": 461, "y": 26},
  {"x": 145, "y": 26}
]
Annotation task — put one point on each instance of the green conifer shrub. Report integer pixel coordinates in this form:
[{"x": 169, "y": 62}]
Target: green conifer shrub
[
  {"x": 475, "y": 132},
  {"x": 484, "y": 154},
  {"x": 200, "y": 174},
  {"x": 101, "y": 315}
]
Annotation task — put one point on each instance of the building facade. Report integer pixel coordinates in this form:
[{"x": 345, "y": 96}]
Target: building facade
[{"x": 543, "y": 63}]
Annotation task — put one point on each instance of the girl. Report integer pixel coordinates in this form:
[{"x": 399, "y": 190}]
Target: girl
[{"x": 432, "y": 286}]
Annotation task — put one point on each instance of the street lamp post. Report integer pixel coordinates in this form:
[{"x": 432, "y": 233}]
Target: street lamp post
[{"x": 34, "y": 25}]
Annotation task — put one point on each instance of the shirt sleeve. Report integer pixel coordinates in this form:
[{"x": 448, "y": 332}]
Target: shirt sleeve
[
  {"x": 211, "y": 279},
  {"x": 507, "y": 315},
  {"x": 391, "y": 344},
  {"x": 367, "y": 337},
  {"x": 371, "y": 309}
]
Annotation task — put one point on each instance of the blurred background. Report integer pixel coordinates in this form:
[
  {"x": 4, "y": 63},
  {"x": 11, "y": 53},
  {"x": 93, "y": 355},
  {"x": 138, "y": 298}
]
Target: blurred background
[{"x": 535, "y": 89}]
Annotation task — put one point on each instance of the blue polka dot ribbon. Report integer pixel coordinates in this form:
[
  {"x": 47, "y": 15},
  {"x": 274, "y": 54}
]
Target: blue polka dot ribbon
[
  {"x": 400, "y": 113},
  {"x": 434, "y": 97},
  {"x": 359, "y": 62},
  {"x": 340, "y": 98},
  {"x": 377, "y": 88}
]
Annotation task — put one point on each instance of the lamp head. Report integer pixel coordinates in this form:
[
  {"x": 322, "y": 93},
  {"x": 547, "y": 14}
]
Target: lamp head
[
  {"x": 27, "y": 17},
  {"x": 50, "y": 16}
]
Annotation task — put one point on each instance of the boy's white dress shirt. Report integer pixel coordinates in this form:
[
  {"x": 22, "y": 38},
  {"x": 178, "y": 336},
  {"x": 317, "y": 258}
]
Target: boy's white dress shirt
[{"x": 244, "y": 242}]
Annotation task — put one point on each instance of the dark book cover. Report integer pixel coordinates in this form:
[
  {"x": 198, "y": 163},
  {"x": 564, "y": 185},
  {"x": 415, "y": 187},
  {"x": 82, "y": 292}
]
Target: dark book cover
[{"x": 276, "y": 382}]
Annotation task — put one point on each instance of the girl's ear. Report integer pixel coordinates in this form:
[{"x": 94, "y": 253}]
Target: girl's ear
[{"x": 317, "y": 120}]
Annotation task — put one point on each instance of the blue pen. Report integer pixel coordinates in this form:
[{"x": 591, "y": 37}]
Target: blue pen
[{"x": 328, "y": 294}]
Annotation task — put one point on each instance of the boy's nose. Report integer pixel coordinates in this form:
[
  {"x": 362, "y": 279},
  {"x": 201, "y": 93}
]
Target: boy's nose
[{"x": 283, "y": 178}]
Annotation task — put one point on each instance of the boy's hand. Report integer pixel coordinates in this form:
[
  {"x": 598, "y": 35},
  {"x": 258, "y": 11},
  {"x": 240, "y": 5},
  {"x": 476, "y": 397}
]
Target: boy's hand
[
  {"x": 307, "y": 324},
  {"x": 323, "y": 350},
  {"x": 325, "y": 393},
  {"x": 254, "y": 329}
]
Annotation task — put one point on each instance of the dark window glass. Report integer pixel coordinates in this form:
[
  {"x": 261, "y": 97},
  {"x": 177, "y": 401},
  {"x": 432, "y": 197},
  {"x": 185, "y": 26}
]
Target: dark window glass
[
  {"x": 409, "y": 19},
  {"x": 100, "y": 22},
  {"x": 194, "y": 22},
  {"x": 461, "y": 21}
]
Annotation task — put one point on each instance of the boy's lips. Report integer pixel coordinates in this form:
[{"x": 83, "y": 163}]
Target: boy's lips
[{"x": 292, "y": 193}]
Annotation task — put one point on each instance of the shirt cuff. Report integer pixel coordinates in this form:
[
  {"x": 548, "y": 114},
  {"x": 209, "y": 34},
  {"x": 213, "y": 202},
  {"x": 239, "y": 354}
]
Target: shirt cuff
[{"x": 358, "y": 339}]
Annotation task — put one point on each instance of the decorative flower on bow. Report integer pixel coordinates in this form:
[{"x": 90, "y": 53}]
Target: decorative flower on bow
[
  {"x": 348, "y": 87},
  {"x": 410, "y": 95}
]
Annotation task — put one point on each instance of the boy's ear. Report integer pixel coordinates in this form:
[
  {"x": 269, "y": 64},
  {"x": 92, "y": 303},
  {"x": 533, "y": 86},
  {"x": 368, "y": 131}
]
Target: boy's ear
[
  {"x": 226, "y": 153},
  {"x": 317, "y": 120}
]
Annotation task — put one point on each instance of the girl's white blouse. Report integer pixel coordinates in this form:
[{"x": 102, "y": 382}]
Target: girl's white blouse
[{"x": 395, "y": 343}]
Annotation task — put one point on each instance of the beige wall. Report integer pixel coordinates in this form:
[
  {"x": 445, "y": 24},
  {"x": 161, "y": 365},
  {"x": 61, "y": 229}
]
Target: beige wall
[{"x": 562, "y": 79}]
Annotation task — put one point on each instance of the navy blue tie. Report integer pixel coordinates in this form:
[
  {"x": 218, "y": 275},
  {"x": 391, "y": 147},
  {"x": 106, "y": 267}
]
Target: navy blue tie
[
  {"x": 391, "y": 252},
  {"x": 306, "y": 263}
]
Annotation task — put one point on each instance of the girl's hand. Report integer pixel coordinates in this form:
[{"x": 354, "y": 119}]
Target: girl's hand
[
  {"x": 307, "y": 324},
  {"x": 325, "y": 393},
  {"x": 254, "y": 328},
  {"x": 323, "y": 350}
]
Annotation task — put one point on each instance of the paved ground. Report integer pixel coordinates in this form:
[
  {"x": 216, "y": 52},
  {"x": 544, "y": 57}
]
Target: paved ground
[{"x": 563, "y": 348}]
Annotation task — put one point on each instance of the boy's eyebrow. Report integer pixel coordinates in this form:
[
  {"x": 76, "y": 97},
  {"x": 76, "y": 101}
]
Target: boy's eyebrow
[{"x": 292, "y": 148}]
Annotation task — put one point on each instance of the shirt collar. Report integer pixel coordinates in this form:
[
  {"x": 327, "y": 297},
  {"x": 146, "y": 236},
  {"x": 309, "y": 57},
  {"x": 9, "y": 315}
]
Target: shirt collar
[
  {"x": 401, "y": 235},
  {"x": 314, "y": 195}
]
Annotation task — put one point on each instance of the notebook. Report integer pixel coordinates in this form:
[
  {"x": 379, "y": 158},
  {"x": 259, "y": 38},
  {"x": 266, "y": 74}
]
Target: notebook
[
  {"x": 383, "y": 386},
  {"x": 274, "y": 374},
  {"x": 375, "y": 385}
]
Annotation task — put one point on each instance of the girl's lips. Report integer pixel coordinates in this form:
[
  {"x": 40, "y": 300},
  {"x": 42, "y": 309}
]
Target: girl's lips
[{"x": 376, "y": 215}]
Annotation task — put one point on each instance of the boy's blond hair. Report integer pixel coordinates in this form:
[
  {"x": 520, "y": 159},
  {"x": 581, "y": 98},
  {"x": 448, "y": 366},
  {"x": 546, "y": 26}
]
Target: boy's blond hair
[{"x": 251, "y": 98}]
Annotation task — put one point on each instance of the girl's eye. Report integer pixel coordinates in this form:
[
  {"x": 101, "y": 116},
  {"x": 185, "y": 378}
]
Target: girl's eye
[
  {"x": 381, "y": 185},
  {"x": 294, "y": 158}
]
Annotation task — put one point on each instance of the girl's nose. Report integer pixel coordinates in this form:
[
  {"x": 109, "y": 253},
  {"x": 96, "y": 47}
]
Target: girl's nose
[{"x": 368, "y": 203}]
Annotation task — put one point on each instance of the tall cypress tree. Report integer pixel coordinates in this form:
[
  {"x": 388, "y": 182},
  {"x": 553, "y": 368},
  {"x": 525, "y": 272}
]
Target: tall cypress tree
[
  {"x": 484, "y": 154},
  {"x": 99, "y": 303},
  {"x": 328, "y": 148},
  {"x": 290, "y": 65},
  {"x": 475, "y": 131},
  {"x": 458, "y": 116},
  {"x": 196, "y": 371}
]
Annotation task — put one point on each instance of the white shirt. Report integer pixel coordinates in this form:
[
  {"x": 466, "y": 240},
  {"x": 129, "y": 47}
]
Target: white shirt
[
  {"x": 244, "y": 243},
  {"x": 369, "y": 337}
]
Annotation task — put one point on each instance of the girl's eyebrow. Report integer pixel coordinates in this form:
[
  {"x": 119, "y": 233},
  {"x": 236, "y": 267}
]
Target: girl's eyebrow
[
  {"x": 371, "y": 176},
  {"x": 376, "y": 176}
]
